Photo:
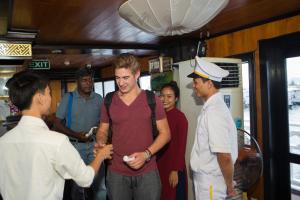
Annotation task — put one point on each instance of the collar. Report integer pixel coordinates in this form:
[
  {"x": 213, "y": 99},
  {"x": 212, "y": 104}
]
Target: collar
[
  {"x": 30, "y": 120},
  {"x": 212, "y": 99},
  {"x": 173, "y": 109},
  {"x": 77, "y": 95}
]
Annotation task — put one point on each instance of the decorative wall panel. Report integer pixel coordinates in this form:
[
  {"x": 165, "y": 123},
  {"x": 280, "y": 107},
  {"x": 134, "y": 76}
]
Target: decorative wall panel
[{"x": 15, "y": 50}]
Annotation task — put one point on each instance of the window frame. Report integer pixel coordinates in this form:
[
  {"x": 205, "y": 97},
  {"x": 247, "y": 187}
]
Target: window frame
[{"x": 249, "y": 58}]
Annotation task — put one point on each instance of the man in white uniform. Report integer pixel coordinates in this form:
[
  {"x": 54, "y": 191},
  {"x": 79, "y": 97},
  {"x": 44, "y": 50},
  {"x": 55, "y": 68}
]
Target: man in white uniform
[
  {"x": 215, "y": 147},
  {"x": 34, "y": 160}
]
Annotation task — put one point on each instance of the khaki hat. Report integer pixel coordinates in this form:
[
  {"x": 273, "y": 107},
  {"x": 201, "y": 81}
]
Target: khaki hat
[{"x": 208, "y": 70}]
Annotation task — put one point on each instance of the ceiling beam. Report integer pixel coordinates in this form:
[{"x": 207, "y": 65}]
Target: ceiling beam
[{"x": 102, "y": 46}]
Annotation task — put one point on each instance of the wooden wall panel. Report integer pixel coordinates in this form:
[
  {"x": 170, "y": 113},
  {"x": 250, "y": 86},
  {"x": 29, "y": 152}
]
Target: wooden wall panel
[
  {"x": 55, "y": 86},
  {"x": 71, "y": 86},
  {"x": 245, "y": 41},
  {"x": 145, "y": 64},
  {"x": 107, "y": 72}
]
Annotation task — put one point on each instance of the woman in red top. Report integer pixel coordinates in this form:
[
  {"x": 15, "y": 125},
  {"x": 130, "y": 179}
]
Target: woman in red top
[{"x": 171, "y": 159}]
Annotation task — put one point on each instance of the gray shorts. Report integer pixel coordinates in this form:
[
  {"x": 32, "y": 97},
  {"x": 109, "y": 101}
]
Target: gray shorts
[{"x": 143, "y": 187}]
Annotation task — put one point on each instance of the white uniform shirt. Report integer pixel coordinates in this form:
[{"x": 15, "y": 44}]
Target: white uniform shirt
[
  {"x": 34, "y": 162},
  {"x": 215, "y": 133}
]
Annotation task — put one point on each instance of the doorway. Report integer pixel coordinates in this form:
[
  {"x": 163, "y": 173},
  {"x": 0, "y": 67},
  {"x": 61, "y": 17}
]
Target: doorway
[{"x": 279, "y": 70}]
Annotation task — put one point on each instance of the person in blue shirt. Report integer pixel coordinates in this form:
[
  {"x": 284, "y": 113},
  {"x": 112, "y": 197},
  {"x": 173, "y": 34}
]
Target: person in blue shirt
[{"x": 84, "y": 105}]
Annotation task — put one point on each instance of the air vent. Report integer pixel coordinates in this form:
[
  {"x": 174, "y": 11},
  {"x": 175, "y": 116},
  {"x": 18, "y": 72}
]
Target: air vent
[{"x": 233, "y": 79}]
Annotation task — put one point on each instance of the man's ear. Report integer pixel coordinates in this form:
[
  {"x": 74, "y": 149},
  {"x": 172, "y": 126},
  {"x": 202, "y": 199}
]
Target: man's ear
[
  {"x": 137, "y": 74},
  {"x": 38, "y": 97},
  {"x": 210, "y": 84}
]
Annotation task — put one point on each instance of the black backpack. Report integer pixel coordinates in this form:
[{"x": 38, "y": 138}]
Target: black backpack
[{"x": 151, "y": 103}]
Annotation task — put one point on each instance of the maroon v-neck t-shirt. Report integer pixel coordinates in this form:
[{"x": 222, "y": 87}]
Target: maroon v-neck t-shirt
[{"x": 132, "y": 131}]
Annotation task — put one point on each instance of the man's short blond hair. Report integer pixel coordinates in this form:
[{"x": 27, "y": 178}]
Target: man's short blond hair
[{"x": 127, "y": 61}]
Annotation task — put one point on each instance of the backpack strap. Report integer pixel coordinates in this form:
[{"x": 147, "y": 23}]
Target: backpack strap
[
  {"x": 152, "y": 105},
  {"x": 69, "y": 110},
  {"x": 107, "y": 103}
]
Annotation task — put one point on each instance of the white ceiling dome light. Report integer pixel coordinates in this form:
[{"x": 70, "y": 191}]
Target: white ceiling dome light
[{"x": 170, "y": 17}]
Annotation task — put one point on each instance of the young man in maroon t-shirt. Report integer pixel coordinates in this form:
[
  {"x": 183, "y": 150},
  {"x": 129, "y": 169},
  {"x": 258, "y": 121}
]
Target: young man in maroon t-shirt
[{"x": 136, "y": 178}]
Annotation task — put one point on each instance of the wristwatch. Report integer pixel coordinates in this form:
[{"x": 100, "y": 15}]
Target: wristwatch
[{"x": 148, "y": 155}]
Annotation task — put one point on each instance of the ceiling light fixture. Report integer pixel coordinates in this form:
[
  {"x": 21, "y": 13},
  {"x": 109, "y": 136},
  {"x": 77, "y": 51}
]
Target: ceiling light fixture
[
  {"x": 56, "y": 51},
  {"x": 165, "y": 17},
  {"x": 67, "y": 62},
  {"x": 28, "y": 35}
]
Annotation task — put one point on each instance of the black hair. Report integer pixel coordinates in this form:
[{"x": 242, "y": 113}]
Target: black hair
[
  {"x": 23, "y": 86},
  {"x": 84, "y": 71},
  {"x": 173, "y": 85},
  {"x": 216, "y": 84}
]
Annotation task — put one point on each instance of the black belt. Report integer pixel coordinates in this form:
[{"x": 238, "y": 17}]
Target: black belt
[{"x": 79, "y": 141}]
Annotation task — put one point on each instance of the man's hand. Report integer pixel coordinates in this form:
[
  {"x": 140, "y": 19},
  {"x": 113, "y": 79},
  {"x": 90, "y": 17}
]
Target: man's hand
[
  {"x": 139, "y": 160},
  {"x": 101, "y": 154},
  {"x": 230, "y": 189},
  {"x": 105, "y": 152},
  {"x": 83, "y": 138},
  {"x": 173, "y": 179},
  {"x": 227, "y": 168}
]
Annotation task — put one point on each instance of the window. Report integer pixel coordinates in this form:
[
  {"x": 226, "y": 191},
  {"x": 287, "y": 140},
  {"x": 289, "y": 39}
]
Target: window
[
  {"x": 3, "y": 88},
  {"x": 293, "y": 105},
  {"x": 104, "y": 87},
  {"x": 246, "y": 99},
  {"x": 109, "y": 86},
  {"x": 98, "y": 86},
  {"x": 249, "y": 103},
  {"x": 145, "y": 82}
]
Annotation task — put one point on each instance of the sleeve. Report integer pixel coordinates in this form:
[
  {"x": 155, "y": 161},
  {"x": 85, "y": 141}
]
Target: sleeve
[
  {"x": 104, "y": 116},
  {"x": 61, "y": 111},
  {"x": 218, "y": 131},
  {"x": 179, "y": 153},
  {"x": 69, "y": 165},
  {"x": 159, "y": 109}
]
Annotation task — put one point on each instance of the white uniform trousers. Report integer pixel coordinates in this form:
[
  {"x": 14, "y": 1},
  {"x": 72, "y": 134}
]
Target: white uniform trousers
[{"x": 209, "y": 187}]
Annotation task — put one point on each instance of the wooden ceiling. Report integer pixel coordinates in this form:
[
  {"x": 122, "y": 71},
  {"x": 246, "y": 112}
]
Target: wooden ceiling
[{"x": 72, "y": 33}]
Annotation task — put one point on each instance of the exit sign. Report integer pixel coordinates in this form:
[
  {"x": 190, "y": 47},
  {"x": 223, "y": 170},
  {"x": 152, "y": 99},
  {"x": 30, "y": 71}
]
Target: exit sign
[{"x": 39, "y": 64}]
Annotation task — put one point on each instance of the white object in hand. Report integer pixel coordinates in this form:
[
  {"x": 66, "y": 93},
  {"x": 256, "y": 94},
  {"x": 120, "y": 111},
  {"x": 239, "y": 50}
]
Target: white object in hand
[
  {"x": 127, "y": 158},
  {"x": 91, "y": 131}
]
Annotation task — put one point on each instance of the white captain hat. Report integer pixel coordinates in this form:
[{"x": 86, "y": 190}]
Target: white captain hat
[{"x": 208, "y": 70}]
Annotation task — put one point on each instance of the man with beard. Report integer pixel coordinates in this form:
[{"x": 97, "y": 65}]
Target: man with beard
[{"x": 80, "y": 110}]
